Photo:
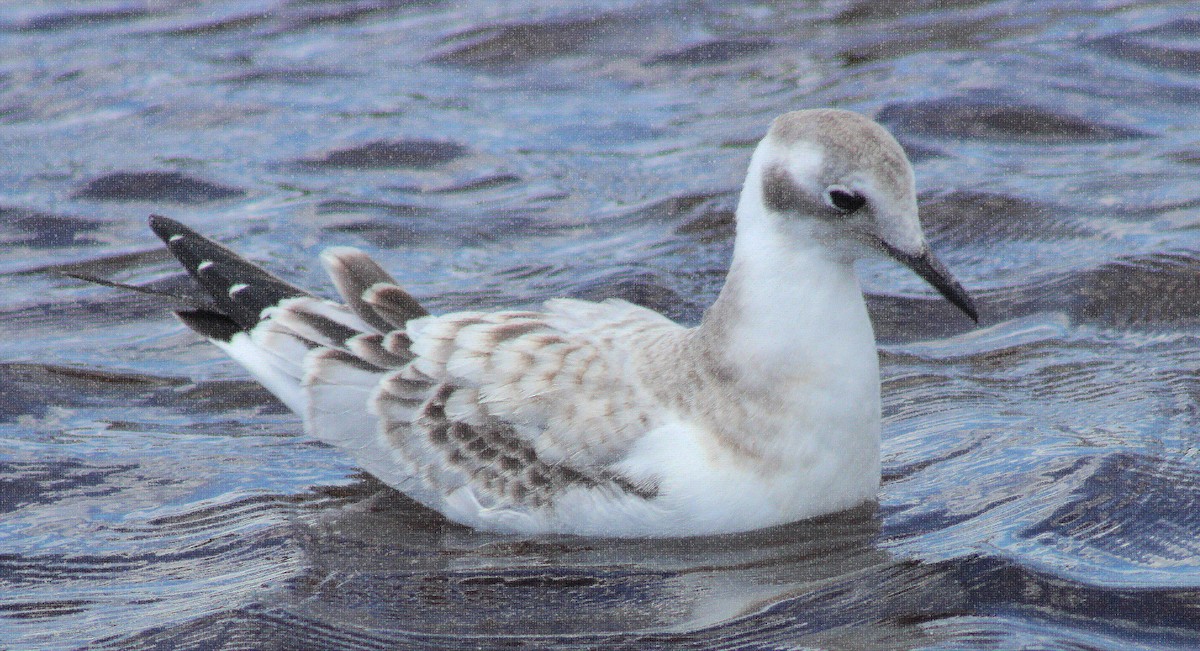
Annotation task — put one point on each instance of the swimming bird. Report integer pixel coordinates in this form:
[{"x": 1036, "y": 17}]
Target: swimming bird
[{"x": 608, "y": 419}]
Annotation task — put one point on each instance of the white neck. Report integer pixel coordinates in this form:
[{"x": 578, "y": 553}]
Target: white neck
[
  {"x": 790, "y": 308},
  {"x": 790, "y": 328}
]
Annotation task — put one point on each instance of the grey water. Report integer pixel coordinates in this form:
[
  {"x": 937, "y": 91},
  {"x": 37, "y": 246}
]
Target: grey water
[{"x": 1041, "y": 471}]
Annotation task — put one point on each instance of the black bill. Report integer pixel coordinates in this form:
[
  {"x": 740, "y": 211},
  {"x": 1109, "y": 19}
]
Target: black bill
[{"x": 935, "y": 273}]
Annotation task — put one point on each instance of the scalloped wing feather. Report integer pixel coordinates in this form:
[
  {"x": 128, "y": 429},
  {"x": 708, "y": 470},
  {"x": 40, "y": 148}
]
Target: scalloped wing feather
[
  {"x": 561, "y": 379},
  {"x": 478, "y": 415}
]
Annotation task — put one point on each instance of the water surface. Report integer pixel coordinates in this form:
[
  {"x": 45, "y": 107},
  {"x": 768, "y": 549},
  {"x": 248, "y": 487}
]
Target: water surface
[{"x": 1041, "y": 485}]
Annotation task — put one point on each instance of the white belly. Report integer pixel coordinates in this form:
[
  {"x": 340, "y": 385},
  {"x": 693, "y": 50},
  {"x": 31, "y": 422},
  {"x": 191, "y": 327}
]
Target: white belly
[{"x": 705, "y": 489}]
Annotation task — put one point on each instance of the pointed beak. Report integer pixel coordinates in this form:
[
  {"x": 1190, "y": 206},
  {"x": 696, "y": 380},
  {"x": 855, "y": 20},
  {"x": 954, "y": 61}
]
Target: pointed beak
[{"x": 935, "y": 273}]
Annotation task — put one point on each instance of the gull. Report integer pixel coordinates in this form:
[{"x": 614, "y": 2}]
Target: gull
[{"x": 609, "y": 419}]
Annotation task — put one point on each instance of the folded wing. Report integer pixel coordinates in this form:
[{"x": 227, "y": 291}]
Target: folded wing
[{"x": 491, "y": 418}]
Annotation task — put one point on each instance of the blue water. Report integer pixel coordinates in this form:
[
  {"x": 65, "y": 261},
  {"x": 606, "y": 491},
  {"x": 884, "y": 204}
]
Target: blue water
[{"x": 1042, "y": 471}]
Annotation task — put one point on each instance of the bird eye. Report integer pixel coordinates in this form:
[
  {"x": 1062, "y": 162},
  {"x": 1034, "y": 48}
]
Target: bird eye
[{"x": 845, "y": 200}]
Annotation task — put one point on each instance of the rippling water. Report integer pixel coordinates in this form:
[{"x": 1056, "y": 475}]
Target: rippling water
[{"x": 1041, "y": 481}]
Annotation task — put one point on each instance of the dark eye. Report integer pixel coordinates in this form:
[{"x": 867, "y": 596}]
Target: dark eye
[{"x": 846, "y": 200}]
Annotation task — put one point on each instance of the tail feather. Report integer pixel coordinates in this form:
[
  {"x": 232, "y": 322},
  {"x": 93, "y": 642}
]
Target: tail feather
[
  {"x": 324, "y": 360},
  {"x": 271, "y": 357},
  {"x": 322, "y": 322},
  {"x": 355, "y": 275},
  {"x": 393, "y": 305}
]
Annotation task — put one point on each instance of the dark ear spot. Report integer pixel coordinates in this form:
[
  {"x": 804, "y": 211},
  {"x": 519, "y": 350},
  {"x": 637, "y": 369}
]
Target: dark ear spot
[{"x": 779, "y": 191}]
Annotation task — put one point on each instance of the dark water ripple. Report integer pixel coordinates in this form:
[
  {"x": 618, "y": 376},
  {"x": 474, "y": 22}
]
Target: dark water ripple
[
  {"x": 155, "y": 186},
  {"x": 1041, "y": 471},
  {"x": 963, "y": 117},
  {"x": 383, "y": 154},
  {"x": 520, "y": 43},
  {"x": 1173, "y": 45},
  {"x": 22, "y": 227}
]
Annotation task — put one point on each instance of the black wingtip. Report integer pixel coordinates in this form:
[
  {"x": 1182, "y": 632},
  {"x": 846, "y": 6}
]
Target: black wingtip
[
  {"x": 165, "y": 228},
  {"x": 213, "y": 325},
  {"x": 180, "y": 296},
  {"x": 240, "y": 289}
]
